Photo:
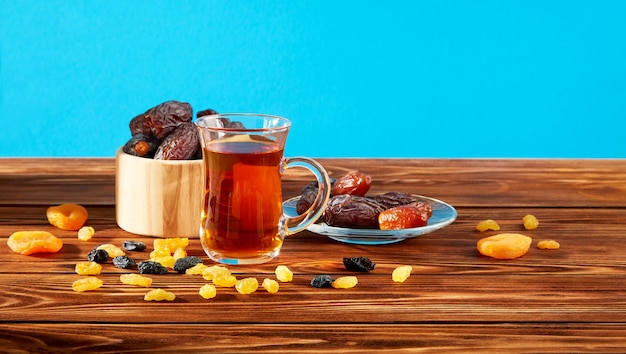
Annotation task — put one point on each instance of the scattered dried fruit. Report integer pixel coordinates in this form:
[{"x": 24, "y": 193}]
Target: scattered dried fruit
[
  {"x": 359, "y": 264},
  {"x": 208, "y": 291},
  {"x": 283, "y": 273},
  {"x": 320, "y": 281},
  {"x": 135, "y": 279},
  {"x": 247, "y": 286},
  {"x": 88, "y": 268},
  {"x": 111, "y": 249},
  {"x": 270, "y": 285},
  {"x": 226, "y": 281},
  {"x": 98, "y": 255},
  {"x": 85, "y": 233},
  {"x": 159, "y": 295},
  {"x": 198, "y": 269},
  {"x": 548, "y": 245},
  {"x": 124, "y": 262},
  {"x": 504, "y": 246},
  {"x": 209, "y": 273},
  {"x": 134, "y": 246},
  {"x": 401, "y": 274},
  {"x": 151, "y": 267},
  {"x": 530, "y": 222},
  {"x": 86, "y": 284},
  {"x": 29, "y": 242},
  {"x": 345, "y": 282},
  {"x": 67, "y": 216},
  {"x": 182, "y": 264},
  {"x": 488, "y": 224},
  {"x": 171, "y": 243}
]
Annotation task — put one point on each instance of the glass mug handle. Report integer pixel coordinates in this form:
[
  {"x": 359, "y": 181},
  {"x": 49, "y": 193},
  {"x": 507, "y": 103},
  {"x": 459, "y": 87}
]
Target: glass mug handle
[{"x": 298, "y": 223}]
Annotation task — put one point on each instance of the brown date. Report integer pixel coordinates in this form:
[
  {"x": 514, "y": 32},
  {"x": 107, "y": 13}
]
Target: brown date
[
  {"x": 141, "y": 145},
  {"x": 165, "y": 117},
  {"x": 393, "y": 199},
  {"x": 181, "y": 144},
  {"x": 138, "y": 125},
  {"x": 352, "y": 211},
  {"x": 405, "y": 216},
  {"x": 307, "y": 196},
  {"x": 356, "y": 183}
]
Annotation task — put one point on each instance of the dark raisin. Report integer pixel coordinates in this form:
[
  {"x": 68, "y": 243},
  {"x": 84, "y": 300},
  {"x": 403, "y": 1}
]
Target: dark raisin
[
  {"x": 320, "y": 281},
  {"x": 165, "y": 117},
  {"x": 352, "y": 211},
  {"x": 355, "y": 183},
  {"x": 141, "y": 145},
  {"x": 98, "y": 255},
  {"x": 134, "y": 246},
  {"x": 124, "y": 262},
  {"x": 151, "y": 267},
  {"x": 182, "y": 264},
  {"x": 359, "y": 264},
  {"x": 181, "y": 144}
]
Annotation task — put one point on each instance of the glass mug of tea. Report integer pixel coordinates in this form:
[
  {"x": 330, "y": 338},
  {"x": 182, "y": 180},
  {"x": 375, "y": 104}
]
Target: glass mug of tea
[{"x": 242, "y": 221}]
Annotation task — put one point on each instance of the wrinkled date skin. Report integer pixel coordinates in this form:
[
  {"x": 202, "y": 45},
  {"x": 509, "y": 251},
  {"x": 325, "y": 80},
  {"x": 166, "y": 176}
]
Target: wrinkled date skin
[
  {"x": 352, "y": 211},
  {"x": 141, "y": 145},
  {"x": 393, "y": 199},
  {"x": 356, "y": 183},
  {"x": 181, "y": 144},
  {"x": 138, "y": 125},
  {"x": 165, "y": 117},
  {"x": 307, "y": 196}
]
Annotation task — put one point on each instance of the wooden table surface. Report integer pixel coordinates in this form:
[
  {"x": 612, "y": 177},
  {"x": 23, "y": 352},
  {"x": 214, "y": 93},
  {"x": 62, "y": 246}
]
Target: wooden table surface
[{"x": 567, "y": 300}]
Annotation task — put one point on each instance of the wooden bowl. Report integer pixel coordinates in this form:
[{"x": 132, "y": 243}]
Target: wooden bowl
[{"x": 157, "y": 197}]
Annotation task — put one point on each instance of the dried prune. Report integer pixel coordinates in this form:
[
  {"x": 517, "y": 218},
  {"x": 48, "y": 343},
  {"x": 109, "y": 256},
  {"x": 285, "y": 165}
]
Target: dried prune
[
  {"x": 150, "y": 267},
  {"x": 320, "y": 281},
  {"x": 182, "y": 264},
  {"x": 405, "y": 216},
  {"x": 98, "y": 255},
  {"x": 138, "y": 125},
  {"x": 165, "y": 117},
  {"x": 141, "y": 145},
  {"x": 393, "y": 199},
  {"x": 181, "y": 144},
  {"x": 355, "y": 183},
  {"x": 134, "y": 246},
  {"x": 352, "y": 211},
  {"x": 359, "y": 264},
  {"x": 124, "y": 262}
]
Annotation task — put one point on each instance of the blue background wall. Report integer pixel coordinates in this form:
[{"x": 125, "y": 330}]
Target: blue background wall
[{"x": 358, "y": 78}]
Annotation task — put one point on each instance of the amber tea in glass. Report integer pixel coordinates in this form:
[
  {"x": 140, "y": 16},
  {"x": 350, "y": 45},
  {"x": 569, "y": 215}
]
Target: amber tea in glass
[{"x": 242, "y": 221}]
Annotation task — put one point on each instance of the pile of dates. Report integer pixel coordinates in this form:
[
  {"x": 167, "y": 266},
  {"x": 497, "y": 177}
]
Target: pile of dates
[
  {"x": 350, "y": 207},
  {"x": 166, "y": 132}
]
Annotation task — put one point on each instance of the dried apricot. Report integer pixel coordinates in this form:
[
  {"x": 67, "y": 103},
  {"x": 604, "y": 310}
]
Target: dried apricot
[
  {"x": 548, "y": 245},
  {"x": 488, "y": 224},
  {"x": 504, "y": 246},
  {"x": 29, "y": 242},
  {"x": 67, "y": 216},
  {"x": 530, "y": 222}
]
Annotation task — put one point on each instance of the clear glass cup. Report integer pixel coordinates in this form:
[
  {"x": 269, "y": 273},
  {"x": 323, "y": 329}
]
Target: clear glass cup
[{"x": 242, "y": 220}]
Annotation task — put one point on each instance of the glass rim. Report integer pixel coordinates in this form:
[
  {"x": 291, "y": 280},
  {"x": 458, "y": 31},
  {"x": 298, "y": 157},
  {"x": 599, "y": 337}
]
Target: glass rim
[{"x": 285, "y": 122}]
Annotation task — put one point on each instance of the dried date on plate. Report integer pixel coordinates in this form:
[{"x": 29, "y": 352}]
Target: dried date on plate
[
  {"x": 165, "y": 117},
  {"x": 181, "y": 144},
  {"x": 393, "y": 199},
  {"x": 356, "y": 183},
  {"x": 405, "y": 216},
  {"x": 352, "y": 211}
]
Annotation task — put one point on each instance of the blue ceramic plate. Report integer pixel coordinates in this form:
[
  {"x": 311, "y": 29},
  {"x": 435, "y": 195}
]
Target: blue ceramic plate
[{"x": 443, "y": 215}]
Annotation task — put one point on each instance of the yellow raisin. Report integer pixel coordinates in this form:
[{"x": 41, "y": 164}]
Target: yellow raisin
[
  {"x": 135, "y": 279},
  {"x": 548, "y": 245},
  {"x": 85, "y": 233},
  {"x": 112, "y": 250},
  {"x": 488, "y": 224},
  {"x": 401, "y": 274},
  {"x": 166, "y": 261},
  {"x": 160, "y": 252},
  {"x": 345, "y": 282},
  {"x": 208, "y": 291},
  {"x": 504, "y": 246},
  {"x": 86, "y": 284},
  {"x": 88, "y": 268},
  {"x": 283, "y": 273},
  {"x": 270, "y": 285},
  {"x": 530, "y": 222},
  {"x": 171, "y": 243},
  {"x": 247, "y": 286},
  {"x": 209, "y": 273},
  {"x": 179, "y": 253},
  {"x": 159, "y": 295},
  {"x": 227, "y": 281},
  {"x": 198, "y": 269}
]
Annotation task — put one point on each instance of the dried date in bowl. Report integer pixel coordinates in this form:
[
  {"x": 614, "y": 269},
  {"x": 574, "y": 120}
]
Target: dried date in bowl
[{"x": 161, "y": 198}]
